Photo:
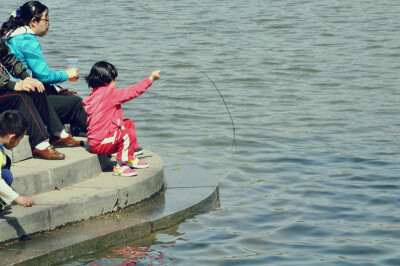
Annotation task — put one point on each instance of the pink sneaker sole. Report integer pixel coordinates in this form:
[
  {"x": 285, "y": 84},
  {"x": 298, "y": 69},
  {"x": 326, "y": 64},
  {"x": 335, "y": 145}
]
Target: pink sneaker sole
[
  {"x": 124, "y": 171},
  {"x": 136, "y": 163}
]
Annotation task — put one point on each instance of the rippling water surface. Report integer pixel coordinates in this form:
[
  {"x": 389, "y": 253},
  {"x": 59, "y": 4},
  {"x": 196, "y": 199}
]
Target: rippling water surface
[{"x": 313, "y": 90}]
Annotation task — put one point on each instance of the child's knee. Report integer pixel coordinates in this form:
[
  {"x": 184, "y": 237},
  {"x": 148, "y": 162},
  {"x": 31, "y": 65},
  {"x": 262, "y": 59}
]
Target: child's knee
[
  {"x": 129, "y": 124},
  {"x": 131, "y": 132},
  {"x": 7, "y": 176}
]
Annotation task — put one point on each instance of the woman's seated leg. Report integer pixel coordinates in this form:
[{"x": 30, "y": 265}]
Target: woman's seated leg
[
  {"x": 37, "y": 131},
  {"x": 70, "y": 110}
]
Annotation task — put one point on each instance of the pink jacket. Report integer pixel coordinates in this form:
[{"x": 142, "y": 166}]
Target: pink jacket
[{"x": 103, "y": 109}]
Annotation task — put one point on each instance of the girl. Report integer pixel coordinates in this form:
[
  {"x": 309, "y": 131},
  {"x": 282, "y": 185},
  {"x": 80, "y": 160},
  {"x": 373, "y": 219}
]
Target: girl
[{"x": 108, "y": 132}]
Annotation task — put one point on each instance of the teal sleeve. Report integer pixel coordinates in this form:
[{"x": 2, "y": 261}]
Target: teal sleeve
[{"x": 32, "y": 52}]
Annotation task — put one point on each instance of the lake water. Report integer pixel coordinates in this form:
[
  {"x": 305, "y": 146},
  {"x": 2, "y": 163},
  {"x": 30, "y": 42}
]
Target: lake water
[{"x": 313, "y": 89}]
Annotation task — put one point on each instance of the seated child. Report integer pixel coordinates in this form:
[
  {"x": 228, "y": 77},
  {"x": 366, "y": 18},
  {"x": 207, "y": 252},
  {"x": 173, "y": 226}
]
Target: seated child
[
  {"x": 13, "y": 128},
  {"x": 108, "y": 132}
]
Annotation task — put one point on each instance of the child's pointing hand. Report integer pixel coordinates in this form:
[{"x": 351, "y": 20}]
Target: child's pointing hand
[{"x": 155, "y": 75}]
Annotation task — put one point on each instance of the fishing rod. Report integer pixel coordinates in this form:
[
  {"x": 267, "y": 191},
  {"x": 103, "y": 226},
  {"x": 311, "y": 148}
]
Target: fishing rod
[{"x": 220, "y": 94}]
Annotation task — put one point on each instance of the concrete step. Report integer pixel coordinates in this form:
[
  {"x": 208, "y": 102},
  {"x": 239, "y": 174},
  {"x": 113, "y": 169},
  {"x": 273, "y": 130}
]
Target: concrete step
[
  {"x": 190, "y": 190},
  {"x": 73, "y": 200},
  {"x": 36, "y": 176}
]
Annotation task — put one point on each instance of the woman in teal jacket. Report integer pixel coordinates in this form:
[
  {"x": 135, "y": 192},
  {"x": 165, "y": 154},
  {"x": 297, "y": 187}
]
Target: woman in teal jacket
[
  {"x": 19, "y": 32},
  {"x": 27, "y": 97}
]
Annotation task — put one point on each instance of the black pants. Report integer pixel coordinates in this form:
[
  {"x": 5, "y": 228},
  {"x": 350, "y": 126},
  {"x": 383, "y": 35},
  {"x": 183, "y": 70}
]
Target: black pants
[
  {"x": 37, "y": 110},
  {"x": 68, "y": 108}
]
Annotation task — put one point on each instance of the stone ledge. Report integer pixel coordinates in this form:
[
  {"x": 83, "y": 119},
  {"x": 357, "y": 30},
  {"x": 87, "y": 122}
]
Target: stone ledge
[
  {"x": 167, "y": 209},
  {"x": 90, "y": 198},
  {"x": 36, "y": 176}
]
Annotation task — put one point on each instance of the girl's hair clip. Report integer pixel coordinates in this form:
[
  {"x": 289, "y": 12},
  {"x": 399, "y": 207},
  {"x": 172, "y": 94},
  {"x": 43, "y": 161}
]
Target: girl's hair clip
[{"x": 16, "y": 13}]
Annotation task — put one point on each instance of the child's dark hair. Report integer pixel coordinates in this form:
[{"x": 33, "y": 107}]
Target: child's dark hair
[
  {"x": 23, "y": 15},
  {"x": 12, "y": 122},
  {"x": 102, "y": 73}
]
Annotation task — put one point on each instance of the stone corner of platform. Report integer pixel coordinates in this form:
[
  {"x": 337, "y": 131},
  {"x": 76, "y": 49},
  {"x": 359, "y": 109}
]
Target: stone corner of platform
[{"x": 22, "y": 152}]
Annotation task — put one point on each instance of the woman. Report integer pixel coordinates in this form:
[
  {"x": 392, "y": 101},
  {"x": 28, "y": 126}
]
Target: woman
[
  {"x": 27, "y": 97},
  {"x": 19, "y": 32}
]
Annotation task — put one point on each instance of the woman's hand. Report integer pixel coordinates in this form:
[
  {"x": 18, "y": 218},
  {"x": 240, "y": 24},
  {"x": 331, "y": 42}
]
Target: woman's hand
[
  {"x": 36, "y": 83},
  {"x": 155, "y": 75},
  {"x": 29, "y": 84},
  {"x": 72, "y": 73},
  {"x": 66, "y": 92}
]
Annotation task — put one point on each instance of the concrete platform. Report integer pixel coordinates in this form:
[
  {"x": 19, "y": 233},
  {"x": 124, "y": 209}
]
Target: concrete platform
[
  {"x": 34, "y": 176},
  {"x": 83, "y": 211},
  {"x": 78, "y": 201}
]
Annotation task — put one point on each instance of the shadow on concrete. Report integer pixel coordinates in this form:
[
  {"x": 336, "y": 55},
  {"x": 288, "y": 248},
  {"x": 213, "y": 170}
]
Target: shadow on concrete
[{"x": 12, "y": 221}]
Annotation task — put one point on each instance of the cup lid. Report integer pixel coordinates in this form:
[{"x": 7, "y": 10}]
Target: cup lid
[{"x": 72, "y": 61}]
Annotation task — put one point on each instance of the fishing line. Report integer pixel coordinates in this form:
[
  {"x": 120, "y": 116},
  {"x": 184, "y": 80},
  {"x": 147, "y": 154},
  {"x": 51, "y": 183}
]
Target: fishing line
[{"x": 220, "y": 94}]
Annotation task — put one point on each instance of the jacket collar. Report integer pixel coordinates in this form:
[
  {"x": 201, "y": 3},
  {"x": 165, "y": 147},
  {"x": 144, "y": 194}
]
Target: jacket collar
[
  {"x": 98, "y": 88},
  {"x": 18, "y": 31}
]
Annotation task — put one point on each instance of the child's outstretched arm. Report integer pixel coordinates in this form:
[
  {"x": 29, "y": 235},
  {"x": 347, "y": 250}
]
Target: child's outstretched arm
[{"x": 121, "y": 96}]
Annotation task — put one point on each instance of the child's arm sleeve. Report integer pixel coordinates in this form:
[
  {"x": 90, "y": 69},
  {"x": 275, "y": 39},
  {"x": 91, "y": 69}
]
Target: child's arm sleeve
[
  {"x": 123, "y": 95},
  {"x": 6, "y": 192}
]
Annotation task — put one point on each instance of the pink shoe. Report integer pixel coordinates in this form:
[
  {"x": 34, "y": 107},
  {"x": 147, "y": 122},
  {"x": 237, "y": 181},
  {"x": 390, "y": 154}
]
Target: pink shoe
[
  {"x": 124, "y": 170},
  {"x": 136, "y": 163}
]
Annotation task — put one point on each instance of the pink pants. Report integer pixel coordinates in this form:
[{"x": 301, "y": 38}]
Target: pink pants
[{"x": 122, "y": 141}]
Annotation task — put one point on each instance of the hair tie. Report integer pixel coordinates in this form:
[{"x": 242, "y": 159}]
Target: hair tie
[{"x": 16, "y": 13}]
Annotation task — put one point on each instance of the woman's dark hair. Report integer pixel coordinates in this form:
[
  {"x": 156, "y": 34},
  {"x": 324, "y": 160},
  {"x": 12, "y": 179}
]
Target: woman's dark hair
[
  {"x": 102, "y": 73},
  {"x": 12, "y": 122},
  {"x": 23, "y": 15}
]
